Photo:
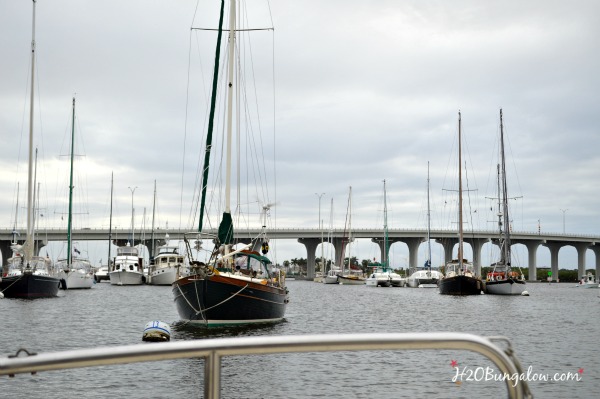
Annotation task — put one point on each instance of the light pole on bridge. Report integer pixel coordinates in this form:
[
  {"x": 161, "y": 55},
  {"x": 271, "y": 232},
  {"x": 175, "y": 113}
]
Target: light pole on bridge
[
  {"x": 132, "y": 213},
  {"x": 564, "y": 211},
  {"x": 320, "y": 228}
]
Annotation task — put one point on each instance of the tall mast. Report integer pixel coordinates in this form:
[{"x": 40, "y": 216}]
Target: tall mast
[
  {"x": 230, "y": 105},
  {"x": 428, "y": 222},
  {"x": 153, "y": 214},
  {"x": 385, "y": 229},
  {"x": 30, "y": 189},
  {"x": 14, "y": 233},
  {"x": 460, "y": 210},
  {"x": 506, "y": 250},
  {"x": 110, "y": 220},
  {"x": 349, "y": 228},
  {"x": 70, "y": 216}
]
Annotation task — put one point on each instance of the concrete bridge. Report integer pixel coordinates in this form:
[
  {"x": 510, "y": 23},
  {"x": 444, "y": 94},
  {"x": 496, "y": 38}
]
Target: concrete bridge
[{"x": 311, "y": 238}]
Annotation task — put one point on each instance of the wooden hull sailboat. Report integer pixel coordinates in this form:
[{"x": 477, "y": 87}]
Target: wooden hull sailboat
[
  {"x": 503, "y": 280},
  {"x": 233, "y": 286}
]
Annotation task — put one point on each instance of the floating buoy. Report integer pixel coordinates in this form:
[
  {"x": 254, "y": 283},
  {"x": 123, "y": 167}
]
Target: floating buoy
[
  {"x": 157, "y": 331},
  {"x": 524, "y": 293}
]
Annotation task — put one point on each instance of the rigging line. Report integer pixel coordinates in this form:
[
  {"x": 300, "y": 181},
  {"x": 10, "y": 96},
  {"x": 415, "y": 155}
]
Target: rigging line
[
  {"x": 187, "y": 101},
  {"x": 237, "y": 30}
]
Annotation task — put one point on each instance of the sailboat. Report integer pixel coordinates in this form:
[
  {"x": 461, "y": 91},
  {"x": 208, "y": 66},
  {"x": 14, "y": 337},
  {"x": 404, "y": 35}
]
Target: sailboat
[
  {"x": 76, "y": 271},
  {"x": 460, "y": 278},
  {"x": 382, "y": 275},
  {"x": 350, "y": 276},
  {"x": 503, "y": 279},
  {"x": 425, "y": 277},
  {"x": 29, "y": 276},
  {"x": 234, "y": 286}
]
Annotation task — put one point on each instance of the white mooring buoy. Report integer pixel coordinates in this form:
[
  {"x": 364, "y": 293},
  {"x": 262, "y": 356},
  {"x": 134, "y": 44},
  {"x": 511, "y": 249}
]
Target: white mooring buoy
[
  {"x": 525, "y": 293},
  {"x": 157, "y": 331}
]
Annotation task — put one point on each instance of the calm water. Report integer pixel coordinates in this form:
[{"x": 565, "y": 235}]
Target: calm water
[{"x": 555, "y": 330}]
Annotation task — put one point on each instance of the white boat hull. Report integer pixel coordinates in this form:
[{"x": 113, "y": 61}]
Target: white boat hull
[
  {"x": 330, "y": 280},
  {"x": 124, "y": 277},
  {"x": 378, "y": 282},
  {"x": 163, "y": 276},
  {"x": 505, "y": 287},
  {"x": 77, "y": 279},
  {"x": 351, "y": 281}
]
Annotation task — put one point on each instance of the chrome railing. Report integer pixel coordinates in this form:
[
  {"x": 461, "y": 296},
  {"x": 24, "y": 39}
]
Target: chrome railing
[{"x": 212, "y": 350}]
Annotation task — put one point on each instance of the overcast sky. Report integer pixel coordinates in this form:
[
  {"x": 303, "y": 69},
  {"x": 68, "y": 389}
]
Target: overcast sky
[{"x": 364, "y": 91}]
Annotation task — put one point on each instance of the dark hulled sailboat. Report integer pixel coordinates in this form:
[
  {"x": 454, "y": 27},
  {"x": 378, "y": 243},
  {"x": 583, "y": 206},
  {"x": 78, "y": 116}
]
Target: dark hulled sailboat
[
  {"x": 459, "y": 275},
  {"x": 28, "y": 276},
  {"x": 233, "y": 286}
]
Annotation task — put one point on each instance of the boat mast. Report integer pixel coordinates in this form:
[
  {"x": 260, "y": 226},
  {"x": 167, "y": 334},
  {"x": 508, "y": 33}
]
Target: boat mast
[
  {"x": 460, "y": 211},
  {"x": 349, "y": 230},
  {"x": 14, "y": 232},
  {"x": 153, "y": 214},
  {"x": 428, "y": 222},
  {"x": 506, "y": 244},
  {"x": 385, "y": 230},
  {"x": 230, "y": 105},
  {"x": 70, "y": 215},
  {"x": 30, "y": 189},
  {"x": 211, "y": 118},
  {"x": 110, "y": 220}
]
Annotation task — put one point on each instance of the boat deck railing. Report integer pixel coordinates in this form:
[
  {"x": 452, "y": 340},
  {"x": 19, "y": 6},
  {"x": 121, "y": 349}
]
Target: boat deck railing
[{"x": 213, "y": 350}]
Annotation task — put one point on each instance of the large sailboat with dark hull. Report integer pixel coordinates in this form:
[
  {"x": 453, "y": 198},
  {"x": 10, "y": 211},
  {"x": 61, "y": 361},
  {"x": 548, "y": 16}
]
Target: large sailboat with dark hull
[
  {"x": 29, "y": 276},
  {"x": 232, "y": 286},
  {"x": 459, "y": 276}
]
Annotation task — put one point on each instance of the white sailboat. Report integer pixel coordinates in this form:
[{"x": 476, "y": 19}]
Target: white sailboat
[
  {"x": 76, "y": 271},
  {"x": 350, "y": 276},
  {"x": 504, "y": 279},
  {"x": 426, "y": 277},
  {"x": 382, "y": 275}
]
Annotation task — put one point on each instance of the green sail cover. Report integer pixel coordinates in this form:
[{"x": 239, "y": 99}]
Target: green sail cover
[{"x": 226, "y": 229}]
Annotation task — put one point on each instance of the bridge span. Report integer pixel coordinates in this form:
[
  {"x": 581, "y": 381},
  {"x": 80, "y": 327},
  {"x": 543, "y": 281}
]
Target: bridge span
[{"x": 311, "y": 238}]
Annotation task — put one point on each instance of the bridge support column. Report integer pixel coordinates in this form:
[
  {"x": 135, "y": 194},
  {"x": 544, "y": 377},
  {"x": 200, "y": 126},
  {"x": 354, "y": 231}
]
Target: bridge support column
[
  {"x": 476, "y": 245},
  {"x": 554, "y": 249},
  {"x": 581, "y": 250},
  {"x": 6, "y": 253},
  {"x": 338, "y": 243},
  {"x": 311, "y": 248},
  {"x": 381, "y": 243},
  {"x": 596, "y": 250},
  {"x": 532, "y": 247},
  {"x": 448, "y": 244},
  {"x": 413, "y": 252}
]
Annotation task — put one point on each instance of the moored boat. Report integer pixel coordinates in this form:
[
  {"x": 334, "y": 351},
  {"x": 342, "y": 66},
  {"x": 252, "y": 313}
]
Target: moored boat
[
  {"x": 424, "y": 277},
  {"x": 168, "y": 265},
  {"x": 29, "y": 276},
  {"x": 77, "y": 274},
  {"x": 233, "y": 286},
  {"x": 588, "y": 281},
  {"x": 459, "y": 276},
  {"x": 504, "y": 279},
  {"x": 127, "y": 267}
]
